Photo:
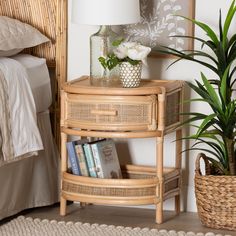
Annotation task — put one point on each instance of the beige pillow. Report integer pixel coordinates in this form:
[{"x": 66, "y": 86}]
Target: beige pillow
[{"x": 16, "y": 35}]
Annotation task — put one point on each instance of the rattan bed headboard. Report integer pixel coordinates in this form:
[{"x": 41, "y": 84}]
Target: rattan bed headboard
[{"x": 50, "y": 17}]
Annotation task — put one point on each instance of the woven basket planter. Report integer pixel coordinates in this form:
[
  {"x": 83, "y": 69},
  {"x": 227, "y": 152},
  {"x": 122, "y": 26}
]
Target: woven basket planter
[{"x": 216, "y": 197}]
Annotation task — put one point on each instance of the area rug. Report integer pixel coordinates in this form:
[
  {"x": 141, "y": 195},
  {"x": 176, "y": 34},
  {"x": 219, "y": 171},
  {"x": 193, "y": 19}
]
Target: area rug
[{"x": 22, "y": 226}]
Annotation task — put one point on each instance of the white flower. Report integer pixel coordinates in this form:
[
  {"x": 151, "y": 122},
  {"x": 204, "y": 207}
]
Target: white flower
[
  {"x": 122, "y": 50},
  {"x": 133, "y": 50},
  {"x": 139, "y": 53}
]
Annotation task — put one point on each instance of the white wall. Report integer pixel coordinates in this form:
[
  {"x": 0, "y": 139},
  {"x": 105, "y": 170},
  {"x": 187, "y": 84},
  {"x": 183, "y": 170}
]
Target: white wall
[{"x": 142, "y": 151}]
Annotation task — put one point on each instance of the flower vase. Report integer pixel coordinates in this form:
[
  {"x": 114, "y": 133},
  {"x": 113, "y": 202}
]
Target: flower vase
[{"x": 130, "y": 75}]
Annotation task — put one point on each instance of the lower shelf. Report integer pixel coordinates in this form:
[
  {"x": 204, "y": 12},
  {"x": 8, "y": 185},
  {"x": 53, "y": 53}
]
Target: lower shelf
[{"x": 139, "y": 186}]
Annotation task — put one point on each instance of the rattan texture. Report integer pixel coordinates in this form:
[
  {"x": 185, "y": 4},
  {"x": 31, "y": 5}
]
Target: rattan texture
[
  {"x": 216, "y": 198},
  {"x": 104, "y": 191},
  {"x": 126, "y": 113},
  {"x": 173, "y": 108},
  {"x": 77, "y": 188},
  {"x": 40, "y": 14}
]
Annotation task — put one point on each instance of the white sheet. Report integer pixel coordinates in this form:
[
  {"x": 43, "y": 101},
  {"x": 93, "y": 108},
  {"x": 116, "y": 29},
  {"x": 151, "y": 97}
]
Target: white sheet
[
  {"x": 39, "y": 79},
  {"x": 24, "y": 131}
]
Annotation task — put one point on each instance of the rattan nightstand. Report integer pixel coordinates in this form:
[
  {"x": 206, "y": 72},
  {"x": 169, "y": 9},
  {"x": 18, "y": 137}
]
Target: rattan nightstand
[{"x": 151, "y": 110}]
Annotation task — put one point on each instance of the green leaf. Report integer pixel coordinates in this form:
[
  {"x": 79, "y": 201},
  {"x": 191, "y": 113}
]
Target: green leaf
[
  {"x": 222, "y": 62},
  {"x": 204, "y": 42},
  {"x": 232, "y": 53},
  {"x": 231, "y": 42},
  {"x": 218, "y": 165},
  {"x": 175, "y": 52},
  {"x": 207, "y": 120},
  {"x": 102, "y": 60},
  {"x": 214, "y": 146},
  {"x": 227, "y": 23},
  {"x": 202, "y": 54},
  {"x": 201, "y": 91},
  {"x": 215, "y": 154},
  {"x": 117, "y": 42},
  {"x": 211, "y": 90},
  {"x": 224, "y": 85},
  {"x": 132, "y": 62},
  {"x": 110, "y": 62},
  {"x": 206, "y": 28},
  {"x": 220, "y": 27},
  {"x": 231, "y": 75}
]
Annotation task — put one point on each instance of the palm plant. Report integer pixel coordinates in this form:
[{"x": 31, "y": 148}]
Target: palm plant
[{"x": 217, "y": 129}]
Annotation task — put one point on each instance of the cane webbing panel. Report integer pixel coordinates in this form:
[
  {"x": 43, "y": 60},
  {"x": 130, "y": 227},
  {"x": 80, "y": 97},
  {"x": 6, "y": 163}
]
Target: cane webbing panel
[
  {"x": 125, "y": 113},
  {"x": 108, "y": 112},
  {"x": 103, "y": 191},
  {"x": 173, "y": 108}
]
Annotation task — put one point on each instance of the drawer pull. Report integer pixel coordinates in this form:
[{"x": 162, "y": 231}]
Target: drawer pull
[{"x": 104, "y": 112}]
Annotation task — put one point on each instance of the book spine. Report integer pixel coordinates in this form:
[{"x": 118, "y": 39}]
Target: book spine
[
  {"x": 73, "y": 158},
  {"x": 97, "y": 161},
  {"x": 81, "y": 160},
  {"x": 90, "y": 161}
]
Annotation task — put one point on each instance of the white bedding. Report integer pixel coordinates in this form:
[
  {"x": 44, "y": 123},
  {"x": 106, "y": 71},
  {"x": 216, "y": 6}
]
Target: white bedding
[
  {"x": 25, "y": 135},
  {"x": 39, "y": 79}
]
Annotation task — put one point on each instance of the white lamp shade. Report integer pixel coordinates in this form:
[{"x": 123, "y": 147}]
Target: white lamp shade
[{"x": 105, "y": 12}]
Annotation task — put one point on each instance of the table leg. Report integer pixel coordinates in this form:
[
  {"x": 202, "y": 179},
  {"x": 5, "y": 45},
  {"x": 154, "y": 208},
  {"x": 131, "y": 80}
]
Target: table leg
[
  {"x": 178, "y": 165},
  {"x": 160, "y": 189}
]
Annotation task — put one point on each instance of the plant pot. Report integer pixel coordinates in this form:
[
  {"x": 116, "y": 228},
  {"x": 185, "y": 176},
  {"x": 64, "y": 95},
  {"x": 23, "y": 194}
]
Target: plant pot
[
  {"x": 216, "y": 197},
  {"x": 130, "y": 75}
]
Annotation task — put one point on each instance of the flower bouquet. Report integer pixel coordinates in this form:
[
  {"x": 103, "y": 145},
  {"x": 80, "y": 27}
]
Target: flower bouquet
[{"x": 129, "y": 56}]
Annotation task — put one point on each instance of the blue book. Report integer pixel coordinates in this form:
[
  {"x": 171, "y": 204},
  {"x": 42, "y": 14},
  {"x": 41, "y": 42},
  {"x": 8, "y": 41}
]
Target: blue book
[
  {"x": 90, "y": 160},
  {"x": 73, "y": 157}
]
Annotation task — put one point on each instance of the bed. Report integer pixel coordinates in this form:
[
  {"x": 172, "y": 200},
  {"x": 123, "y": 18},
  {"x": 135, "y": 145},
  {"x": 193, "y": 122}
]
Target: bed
[{"x": 34, "y": 181}]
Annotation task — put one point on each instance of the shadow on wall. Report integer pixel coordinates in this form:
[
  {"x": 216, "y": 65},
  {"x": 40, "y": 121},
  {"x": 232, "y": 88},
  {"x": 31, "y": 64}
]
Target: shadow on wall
[{"x": 123, "y": 152}]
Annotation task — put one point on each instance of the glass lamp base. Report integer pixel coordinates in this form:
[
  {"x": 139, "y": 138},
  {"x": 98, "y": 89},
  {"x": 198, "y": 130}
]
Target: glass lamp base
[
  {"x": 108, "y": 80},
  {"x": 101, "y": 46}
]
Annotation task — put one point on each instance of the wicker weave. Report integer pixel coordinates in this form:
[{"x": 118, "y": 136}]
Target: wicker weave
[
  {"x": 116, "y": 112},
  {"x": 126, "y": 113},
  {"x": 123, "y": 112},
  {"x": 173, "y": 108},
  {"x": 40, "y": 14},
  {"x": 216, "y": 198},
  {"x": 103, "y": 191},
  {"x": 133, "y": 185}
]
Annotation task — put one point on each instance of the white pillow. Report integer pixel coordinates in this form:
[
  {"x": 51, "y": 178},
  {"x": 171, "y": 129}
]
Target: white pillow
[{"x": 16, "y": 35}]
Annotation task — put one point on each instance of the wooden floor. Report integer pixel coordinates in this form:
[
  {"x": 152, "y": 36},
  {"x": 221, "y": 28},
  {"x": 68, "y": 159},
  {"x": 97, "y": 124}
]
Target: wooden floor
[{"x": 125, "y": 216}]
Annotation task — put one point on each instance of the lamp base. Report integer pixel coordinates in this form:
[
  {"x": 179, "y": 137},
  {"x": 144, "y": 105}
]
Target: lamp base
[{"x": 101, "y": 46}]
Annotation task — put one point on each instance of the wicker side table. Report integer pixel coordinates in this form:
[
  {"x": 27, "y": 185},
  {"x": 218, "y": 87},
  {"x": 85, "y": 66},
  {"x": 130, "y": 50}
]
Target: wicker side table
[{"x": 151, "y": 110}]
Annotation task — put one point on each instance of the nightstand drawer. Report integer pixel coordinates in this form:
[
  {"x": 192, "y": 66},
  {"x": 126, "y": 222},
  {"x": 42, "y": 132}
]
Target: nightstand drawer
[{"x": 121, "y": 113}]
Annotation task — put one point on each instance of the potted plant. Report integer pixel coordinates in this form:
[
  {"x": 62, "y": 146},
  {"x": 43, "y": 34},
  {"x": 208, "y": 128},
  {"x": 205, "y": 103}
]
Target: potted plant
[
  {"x": 129, "y": 56},
  {"x": 215, "y": 134}
]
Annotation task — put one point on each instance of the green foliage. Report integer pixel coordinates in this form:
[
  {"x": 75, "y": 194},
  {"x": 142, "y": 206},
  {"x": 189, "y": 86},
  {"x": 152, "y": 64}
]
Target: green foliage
[
  {"x": 218, "y": 129},
  {"x": 111, "y": 61},
  {"x": 117, "y": 42}
]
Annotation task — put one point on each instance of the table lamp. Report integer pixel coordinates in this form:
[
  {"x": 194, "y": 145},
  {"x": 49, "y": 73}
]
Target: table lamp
[{"x": 104, "y": 13}]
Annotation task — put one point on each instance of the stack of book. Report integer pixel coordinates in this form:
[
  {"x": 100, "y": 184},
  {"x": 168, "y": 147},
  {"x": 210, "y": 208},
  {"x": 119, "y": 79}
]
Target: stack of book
[{"x": 96, "y": 159}]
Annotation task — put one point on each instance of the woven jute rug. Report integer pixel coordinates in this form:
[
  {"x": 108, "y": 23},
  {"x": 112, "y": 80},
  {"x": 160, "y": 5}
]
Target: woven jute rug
[{"x": 22, "y": 226}]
